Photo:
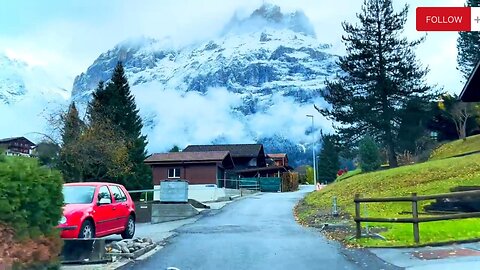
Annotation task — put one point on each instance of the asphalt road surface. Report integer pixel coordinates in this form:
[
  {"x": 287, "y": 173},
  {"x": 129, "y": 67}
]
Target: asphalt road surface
[{"x": 258, "y": 232}]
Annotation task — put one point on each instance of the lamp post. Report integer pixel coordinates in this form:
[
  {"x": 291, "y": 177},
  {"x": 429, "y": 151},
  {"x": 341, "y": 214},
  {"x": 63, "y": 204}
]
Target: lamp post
[{"x": 313, "y": 153}]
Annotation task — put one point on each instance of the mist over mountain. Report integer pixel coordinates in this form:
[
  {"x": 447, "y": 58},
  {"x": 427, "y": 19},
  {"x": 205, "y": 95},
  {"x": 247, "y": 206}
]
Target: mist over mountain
[{"x": 254, "y": 82}]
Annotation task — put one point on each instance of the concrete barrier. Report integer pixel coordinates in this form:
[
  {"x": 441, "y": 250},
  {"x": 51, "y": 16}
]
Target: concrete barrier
[
  {"x": 83, "y": 251},
  {"x": 204, "y": 193},
  {"x": 162, "y": 212}
]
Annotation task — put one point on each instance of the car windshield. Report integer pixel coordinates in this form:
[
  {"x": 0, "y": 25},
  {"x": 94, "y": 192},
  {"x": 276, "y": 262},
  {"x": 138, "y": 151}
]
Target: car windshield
[{"x": 78, "y": 194}]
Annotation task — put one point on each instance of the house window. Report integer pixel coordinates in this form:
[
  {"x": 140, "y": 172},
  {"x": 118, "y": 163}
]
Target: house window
[{"x": 174, "y": 173}]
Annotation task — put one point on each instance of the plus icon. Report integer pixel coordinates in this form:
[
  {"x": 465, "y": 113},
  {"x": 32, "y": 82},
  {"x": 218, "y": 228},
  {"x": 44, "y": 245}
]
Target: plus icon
[{"x": 477, "y": 19}]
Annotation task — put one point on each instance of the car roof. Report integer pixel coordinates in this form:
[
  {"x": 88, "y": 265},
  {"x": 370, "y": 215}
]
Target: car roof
[{"x": 91, "y": 184}]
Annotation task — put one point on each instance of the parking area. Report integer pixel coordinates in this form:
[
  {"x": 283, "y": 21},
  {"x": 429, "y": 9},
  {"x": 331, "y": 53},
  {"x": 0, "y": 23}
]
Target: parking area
[{"x": 159, "y": 233}]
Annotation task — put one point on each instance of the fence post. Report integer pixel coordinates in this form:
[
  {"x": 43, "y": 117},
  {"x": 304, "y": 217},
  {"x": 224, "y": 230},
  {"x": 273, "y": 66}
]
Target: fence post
[
  {"x": 358, "y": 232},
  {"x": 416, "y": 231}
]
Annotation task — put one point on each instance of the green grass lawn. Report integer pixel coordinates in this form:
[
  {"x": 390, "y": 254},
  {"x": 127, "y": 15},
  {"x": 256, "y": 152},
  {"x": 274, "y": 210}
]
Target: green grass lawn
[
  {"x": 458, "y": 147},
  {"x": 426, "y": 178}
]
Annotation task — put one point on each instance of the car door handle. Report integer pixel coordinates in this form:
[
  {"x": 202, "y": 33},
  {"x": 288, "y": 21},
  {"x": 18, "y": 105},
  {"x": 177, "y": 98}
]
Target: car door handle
[{"x": 114, "y": 208}]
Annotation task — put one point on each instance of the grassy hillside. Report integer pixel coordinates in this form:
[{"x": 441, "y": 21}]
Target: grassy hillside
[
  {"x": 425, "y": 178},
  {"x": 458, "y": 147}
]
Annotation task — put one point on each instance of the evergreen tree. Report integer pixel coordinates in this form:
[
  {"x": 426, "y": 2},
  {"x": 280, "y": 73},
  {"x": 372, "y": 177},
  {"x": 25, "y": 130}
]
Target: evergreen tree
[
  {"x": 115, "y": 102},
  {"x": 328, "y": 163},
  {"x": 380, "y": 75},
  {"x": 369, "y": 155},
  {"x": 70, "y": 133},
  {"x": 174, "y": 149},
  {"x": 468, "y": 46},
  {"x": 414, "y": 119}
]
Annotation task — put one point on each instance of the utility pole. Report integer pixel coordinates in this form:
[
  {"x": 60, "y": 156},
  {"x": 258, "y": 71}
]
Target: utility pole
[{"x": 313, "y": 153}]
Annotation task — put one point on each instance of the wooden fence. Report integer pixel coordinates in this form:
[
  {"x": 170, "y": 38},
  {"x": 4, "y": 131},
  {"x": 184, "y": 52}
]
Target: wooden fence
[{"x": 415, "y": 220}]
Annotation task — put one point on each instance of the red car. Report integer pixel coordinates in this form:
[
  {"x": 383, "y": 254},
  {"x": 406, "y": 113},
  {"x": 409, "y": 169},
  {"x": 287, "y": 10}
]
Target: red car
[{"x": 97, "y": 209}]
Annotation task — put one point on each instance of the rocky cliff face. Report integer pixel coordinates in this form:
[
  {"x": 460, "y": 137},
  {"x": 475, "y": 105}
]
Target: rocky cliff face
[
  {"x": 267, "y": 53},
  {"x": 19, "y": 80}
]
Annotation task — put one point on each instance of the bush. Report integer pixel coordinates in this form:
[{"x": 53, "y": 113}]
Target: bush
[
  {"x": 369, "y": 155},
  {"x": 309, "y": 175},
  {"x": 31, "y": 203}
]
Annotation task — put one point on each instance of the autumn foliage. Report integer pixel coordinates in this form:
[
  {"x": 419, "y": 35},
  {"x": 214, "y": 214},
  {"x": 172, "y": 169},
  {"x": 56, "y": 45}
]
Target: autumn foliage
[{"x": 30, "y": 208}]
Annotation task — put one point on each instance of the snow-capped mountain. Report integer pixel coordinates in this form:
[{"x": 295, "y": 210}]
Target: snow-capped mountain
[
  {"x": 18, "y": 80},
  {"x": 12, "y": 86},
  {"x": 28, "y": 97},
  {"x": 268, "y": 52},
  {"x": 265, "y": 55}
]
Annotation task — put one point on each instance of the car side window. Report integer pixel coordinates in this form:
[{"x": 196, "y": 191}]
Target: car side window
[
  {"x": 104, "y": 193},
  {"x": 118, "y": 194}
]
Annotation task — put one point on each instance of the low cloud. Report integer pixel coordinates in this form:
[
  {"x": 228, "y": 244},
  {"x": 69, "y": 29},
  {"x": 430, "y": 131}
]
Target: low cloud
[
  {"x": 28, "y": 117},
  {"x": 180, "y": 118}
]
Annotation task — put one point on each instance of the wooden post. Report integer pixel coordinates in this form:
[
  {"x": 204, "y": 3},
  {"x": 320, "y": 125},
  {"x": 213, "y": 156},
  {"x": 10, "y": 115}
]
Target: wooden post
[
  {"x": 358, "y": 233},
  {"x": 416, "y": 232}
]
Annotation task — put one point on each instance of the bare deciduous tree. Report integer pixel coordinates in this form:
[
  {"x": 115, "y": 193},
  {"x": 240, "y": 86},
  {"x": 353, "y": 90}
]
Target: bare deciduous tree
[{"x": 460, "y": 112}]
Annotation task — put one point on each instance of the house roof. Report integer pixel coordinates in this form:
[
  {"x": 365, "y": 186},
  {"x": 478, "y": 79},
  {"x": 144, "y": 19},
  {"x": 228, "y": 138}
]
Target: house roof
[
  {"x": 280, "y": 155},
  {"x": 188, "y": 156},
  {"x": 471, "y": 90},
  {"x": 236, "y": 150},
  {"x": 6, "y": 140}
]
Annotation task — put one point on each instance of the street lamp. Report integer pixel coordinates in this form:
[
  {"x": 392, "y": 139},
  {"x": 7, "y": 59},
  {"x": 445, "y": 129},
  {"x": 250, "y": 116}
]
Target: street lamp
[{"x": 313, "y": 153}]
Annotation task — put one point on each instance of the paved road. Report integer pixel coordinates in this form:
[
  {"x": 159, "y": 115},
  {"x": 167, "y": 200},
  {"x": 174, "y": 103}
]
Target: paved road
[{"x": 258, "y": 232}]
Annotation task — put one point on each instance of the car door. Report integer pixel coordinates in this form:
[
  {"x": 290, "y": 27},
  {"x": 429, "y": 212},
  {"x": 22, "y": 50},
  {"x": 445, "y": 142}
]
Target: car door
[
  {"x": 104, "y": 214},
  {"x": 120, "y": 207}
]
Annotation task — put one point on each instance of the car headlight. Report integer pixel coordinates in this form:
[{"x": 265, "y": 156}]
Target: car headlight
[{"x": 63, "y": 220}]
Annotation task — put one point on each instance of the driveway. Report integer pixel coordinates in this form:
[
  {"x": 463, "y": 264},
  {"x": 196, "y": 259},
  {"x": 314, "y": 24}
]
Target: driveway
[{"x": 258, "y": 232}]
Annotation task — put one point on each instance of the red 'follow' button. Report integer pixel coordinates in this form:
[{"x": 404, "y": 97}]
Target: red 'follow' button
[{"x": 443, "y": 19}]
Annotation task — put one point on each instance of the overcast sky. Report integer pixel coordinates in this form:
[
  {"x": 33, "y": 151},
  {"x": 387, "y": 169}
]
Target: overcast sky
[{"x": 65, "y": 37}]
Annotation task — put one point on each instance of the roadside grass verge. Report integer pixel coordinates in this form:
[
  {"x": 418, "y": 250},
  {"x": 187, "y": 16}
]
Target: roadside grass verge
[
  {"x": 456, "y": 148},
  {"x": 425, "y": 178}
]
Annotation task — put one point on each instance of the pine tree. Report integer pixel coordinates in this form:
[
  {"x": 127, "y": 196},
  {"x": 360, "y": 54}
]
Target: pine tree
[
  {"x": 71, "y": 132},
  {"x": 115, "y": 102},
  {"x": 328, "y": 163},
  {"x": 369, "y": 155},
  {"x": 414, "y": 119},
  {"x": 468, "y": 46},
  {"x": 174, "y": 149},
  {"x": 380, "y": 75}
]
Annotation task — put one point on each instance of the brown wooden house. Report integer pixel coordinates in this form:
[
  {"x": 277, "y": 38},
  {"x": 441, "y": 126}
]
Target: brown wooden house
[
  {"x": 244, "y": 156},
  {"x": 279, "y": 159},
  {"x": 17, "y": 146},
  {"x": 471, "y": 90},
  {"x": 197, "y": 167},
  {"x": 270, "y": 171}
]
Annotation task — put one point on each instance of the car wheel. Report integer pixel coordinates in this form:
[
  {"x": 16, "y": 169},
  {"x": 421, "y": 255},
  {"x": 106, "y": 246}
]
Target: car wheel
[
  {"x": 87, "y": 230},
  {"x": 129, "y": 229}
]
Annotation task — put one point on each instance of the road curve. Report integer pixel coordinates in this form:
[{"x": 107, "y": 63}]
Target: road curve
[{"x": 257, "y": 232}]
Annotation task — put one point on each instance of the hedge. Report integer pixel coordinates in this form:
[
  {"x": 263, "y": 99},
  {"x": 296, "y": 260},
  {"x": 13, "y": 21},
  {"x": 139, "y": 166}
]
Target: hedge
[{"x": 31, "y": 203}]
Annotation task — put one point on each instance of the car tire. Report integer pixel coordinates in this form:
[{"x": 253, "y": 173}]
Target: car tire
[
  {"x": 87, "y": 230},
  {"x": 129, "y": 228}
]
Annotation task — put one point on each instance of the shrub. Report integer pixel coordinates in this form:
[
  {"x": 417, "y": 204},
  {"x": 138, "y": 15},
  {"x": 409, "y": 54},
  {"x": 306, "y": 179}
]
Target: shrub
[
  {"x": 309, "y": 175},
  {"x": 31, "y": 202},
  {"x": 369, "y": 155}
]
